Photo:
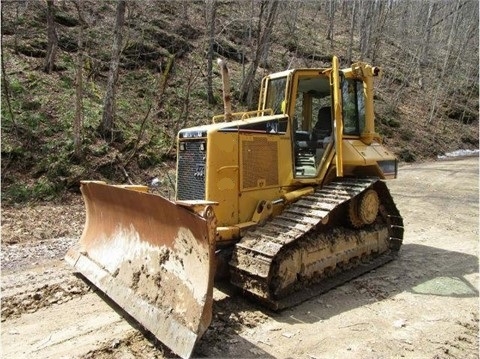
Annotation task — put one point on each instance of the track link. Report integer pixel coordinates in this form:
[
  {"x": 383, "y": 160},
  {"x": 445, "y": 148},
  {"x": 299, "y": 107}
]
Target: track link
[{"x": 306, "y": 251}]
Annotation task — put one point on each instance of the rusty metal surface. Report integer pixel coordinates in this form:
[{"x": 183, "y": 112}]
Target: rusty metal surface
[
  {"x": 154, "y": 258},
  {"x": 298, "y": 256}
]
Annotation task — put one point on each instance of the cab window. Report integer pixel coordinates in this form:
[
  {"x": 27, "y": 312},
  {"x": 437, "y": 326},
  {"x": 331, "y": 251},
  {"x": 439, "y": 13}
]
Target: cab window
[
  {"x": 353, "y": 102},
  {"x": 276, "y": 94}
]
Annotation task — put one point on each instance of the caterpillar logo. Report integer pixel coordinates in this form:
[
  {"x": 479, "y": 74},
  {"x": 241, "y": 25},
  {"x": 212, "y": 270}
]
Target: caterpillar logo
[{"x": 199, "y": 171}]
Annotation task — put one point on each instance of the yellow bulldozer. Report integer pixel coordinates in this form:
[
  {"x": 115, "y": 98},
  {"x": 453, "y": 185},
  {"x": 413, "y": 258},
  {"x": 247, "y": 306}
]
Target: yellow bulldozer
[{"x": 285, "y": 202}]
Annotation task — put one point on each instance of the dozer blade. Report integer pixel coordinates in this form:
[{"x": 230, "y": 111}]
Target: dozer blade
[{"x": 151, "y": 256}]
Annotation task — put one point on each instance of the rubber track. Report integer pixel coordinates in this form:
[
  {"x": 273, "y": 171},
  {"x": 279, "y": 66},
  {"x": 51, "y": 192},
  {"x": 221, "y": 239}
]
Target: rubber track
[{"x": 254, "y": 254}]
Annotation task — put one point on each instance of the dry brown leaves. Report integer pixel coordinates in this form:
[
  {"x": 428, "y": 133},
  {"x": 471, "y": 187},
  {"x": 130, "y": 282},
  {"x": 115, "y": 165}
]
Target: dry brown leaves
[{"x": 35, "y": 222}]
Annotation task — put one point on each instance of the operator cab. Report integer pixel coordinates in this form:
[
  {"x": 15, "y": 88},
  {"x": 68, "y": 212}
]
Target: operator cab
[
  {"x": 305, "y": 96},
  {"x": 309, "y": 97}
]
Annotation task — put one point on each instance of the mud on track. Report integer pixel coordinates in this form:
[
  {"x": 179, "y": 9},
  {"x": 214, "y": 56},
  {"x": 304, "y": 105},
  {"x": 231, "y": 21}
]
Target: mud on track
[{"x": 423, "y": 305}]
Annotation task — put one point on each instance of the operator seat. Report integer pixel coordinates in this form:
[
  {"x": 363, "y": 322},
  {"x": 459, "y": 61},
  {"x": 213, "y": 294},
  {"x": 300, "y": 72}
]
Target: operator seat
[{"x": 323, "y": 127}]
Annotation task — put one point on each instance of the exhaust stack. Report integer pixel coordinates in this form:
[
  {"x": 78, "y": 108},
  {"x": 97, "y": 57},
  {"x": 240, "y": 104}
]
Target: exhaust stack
[{"x": 227, "y": 100}]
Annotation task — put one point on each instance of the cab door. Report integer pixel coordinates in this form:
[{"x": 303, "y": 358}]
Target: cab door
[{"x": 335, "y": 82}]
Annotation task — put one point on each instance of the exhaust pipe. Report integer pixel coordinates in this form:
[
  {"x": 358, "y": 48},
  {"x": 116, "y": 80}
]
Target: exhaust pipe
[{"x": 227, "y": 100}]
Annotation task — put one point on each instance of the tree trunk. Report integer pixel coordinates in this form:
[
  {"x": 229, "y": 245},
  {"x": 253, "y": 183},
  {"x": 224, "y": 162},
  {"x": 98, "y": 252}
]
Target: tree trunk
[
  {"x": 379, "y": 19},
  {"x": 352, "y": 29},
  {"x": 364, "y": 23},
  {"x": 52, "y": 38},
  {"x": 331, "y": 21},
  {"x": 424, "y": 50},
  {"x": 163, "y": 82},
  {"x": 5, "y": 83},
  {"x": 441, "y": 85},
  {"x": 210, "y": 15},
  {"x": 246, "y": 90},
  {"x": 78, "y": 122},
  {"x": 250, "y": 38},
  {"x": 15, "y": 27},
  {"x": 108, "y": 118},
  {"x": 367, "y": 23}
]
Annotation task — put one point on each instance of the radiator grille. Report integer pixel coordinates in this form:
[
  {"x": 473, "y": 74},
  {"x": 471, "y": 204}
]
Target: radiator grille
[
  {"x": 191, "y": 171},
  {"x": 260, "y": 163}
]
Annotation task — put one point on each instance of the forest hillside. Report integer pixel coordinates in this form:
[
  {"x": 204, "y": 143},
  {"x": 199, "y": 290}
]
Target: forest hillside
[{"x": 99, "y": 89}]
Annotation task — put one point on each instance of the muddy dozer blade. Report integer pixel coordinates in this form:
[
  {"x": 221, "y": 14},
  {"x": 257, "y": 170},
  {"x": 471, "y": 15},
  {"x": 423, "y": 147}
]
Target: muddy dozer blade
[{"x": 153, "y": 257}]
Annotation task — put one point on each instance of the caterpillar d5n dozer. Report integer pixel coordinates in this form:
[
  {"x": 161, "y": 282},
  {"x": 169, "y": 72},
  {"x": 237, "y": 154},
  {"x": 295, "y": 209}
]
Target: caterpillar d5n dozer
[{"x": 290, "y": 198}]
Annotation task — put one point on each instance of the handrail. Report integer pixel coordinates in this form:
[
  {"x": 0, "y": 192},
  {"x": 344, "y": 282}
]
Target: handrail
[{"x": 243, "y": 115}]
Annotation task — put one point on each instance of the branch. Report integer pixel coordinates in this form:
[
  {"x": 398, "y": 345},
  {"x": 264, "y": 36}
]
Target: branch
[
  {"x": 125, "y": 173},
  {"x": 449, "y": 14},
  {"x": 164, "y": 80},
  {"x": 139, "y": 137}
]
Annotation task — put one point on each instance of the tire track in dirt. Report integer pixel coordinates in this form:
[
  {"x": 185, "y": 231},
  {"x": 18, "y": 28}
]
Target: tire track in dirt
[
  {"x": 28, "y": 299},
  {"x": 34, "y": 276},
  {"x": 68, "y": 329},
  {"x": 47, "y": 311}
]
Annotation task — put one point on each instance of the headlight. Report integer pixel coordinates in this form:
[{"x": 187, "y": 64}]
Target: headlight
[{"x": 389, "y": 168}]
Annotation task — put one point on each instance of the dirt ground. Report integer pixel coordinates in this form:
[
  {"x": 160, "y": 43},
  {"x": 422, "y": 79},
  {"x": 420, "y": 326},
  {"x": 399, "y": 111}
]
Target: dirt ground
[{"x": 422, "y": 305}]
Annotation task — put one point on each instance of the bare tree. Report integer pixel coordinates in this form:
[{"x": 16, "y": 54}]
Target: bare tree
[
  {"x": 15, "y": 27},
  {"x": 331, "y": 21},
  {"x": 363, "y": 15},
  {"x": 163, "y": 82},
  {"x": 210, "y": 16},
  {"x": 424, "y": 50},
  {"x": 52, "y": 38},
  {"x": 246, "y": 90},
  {"x": 5, "y": 83},
  {"x": 352, "y": 31},
  {"x": 450, "y": 40},
  {"x": 78, "y": 122},
  {"x": 108, "y": 118},
  {"x": 173, "y": 124},
  {"x": 380, "y": 12}
]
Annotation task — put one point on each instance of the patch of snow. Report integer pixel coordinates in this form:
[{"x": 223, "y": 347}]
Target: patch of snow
[{"x": 459, "y": 153}]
